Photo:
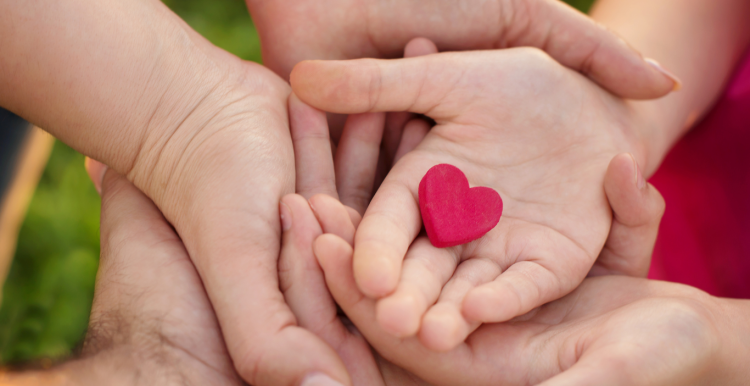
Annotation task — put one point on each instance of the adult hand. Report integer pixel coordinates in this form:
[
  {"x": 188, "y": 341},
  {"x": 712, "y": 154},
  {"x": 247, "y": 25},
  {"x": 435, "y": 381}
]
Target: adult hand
[
  {"x": 612, "y": 330},
  {"x": 536, "y": 132},
  {"x": 200, "y": 132},
  {"x": 292, "y": 31},
  {"x": 151, "y": 321}
]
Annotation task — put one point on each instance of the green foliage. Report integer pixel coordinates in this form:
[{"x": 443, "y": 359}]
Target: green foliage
[
  {"x": 48, "y": 293},
  {"x": 47, "y": 296}
]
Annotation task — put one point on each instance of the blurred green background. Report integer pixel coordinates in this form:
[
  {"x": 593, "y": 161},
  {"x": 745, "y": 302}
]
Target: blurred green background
[{"x": 47, "y": 296}]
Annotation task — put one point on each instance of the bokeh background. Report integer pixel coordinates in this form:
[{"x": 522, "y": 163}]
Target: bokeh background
[{"x": 47, "y": 296}]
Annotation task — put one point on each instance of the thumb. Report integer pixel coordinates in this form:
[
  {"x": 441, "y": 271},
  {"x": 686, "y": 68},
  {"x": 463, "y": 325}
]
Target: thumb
[
  {"x": 638, "y": 208},
  {"x": 577, "y": 42}
]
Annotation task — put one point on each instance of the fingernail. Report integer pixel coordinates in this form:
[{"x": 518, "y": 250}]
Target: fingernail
[
  {"x": 667, "y": 73},
  {"x": 640, "y": 182},
  {"x": 319, "y": 380},
  {"x": 96, "y": 171},
  {"x": 286, "y": 217}
]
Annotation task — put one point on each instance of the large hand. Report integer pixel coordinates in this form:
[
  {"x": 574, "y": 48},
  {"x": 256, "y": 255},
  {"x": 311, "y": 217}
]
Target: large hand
[
  {"x": 611, "y": 330},
  {"x": 151, "y": 321},
  {"x": 538, "y": 133},
  {"x": 292, "y": 31},
  {"x": 200, "y": 132}
]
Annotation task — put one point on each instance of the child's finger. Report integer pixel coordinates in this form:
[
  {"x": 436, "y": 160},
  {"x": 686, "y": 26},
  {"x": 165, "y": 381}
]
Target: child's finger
[
  {"x": 391, "y": 224},
  {"x": 426, "y": 269},
  {"x": 638, "y": 208},
  {"x": 304, "y": 288},
  {"x": 444, "y": 326},
  {"x": 312, "y": 149},
  {"x": 414, "y": 132},
  {"x": 357, "y": 159},
  {"x": 333, "y": 217},
  {"x": 522, "y": 287}
]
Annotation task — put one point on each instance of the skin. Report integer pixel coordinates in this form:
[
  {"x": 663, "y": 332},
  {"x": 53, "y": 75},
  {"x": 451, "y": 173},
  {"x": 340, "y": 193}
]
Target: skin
[
  {"x": 301, "y": 277},
  {"x": 553, "y": 226},
  {"x": 205, "y": 135},
  {"x": 151, "y": 320}
]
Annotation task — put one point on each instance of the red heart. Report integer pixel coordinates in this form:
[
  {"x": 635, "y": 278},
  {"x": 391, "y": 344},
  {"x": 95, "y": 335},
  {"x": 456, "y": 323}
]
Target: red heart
[{"x": 454, "y": 214}]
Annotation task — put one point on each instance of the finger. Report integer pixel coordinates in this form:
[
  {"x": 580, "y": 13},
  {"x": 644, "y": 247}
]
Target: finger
[
  {"x": 426, "y": 269},
  {"x": 333, "y": 217},
  {"x": 444, "y": 326},
  {"x": 391, "y": 224},
  {"x": 96, "y": 171},
  {"x": 304, "y": 288},
  {"x": 414, "y": 133},
  {"x": 638, "y": 208},
  {"x": 394, "y": 128},
  {"x": 522, "y": 287},
  {"x": 357, "y": 159},
  {"x": 577, "y": 42},
  {"x": 419, "y": 47},
  {"x": 312, "y": 149}
]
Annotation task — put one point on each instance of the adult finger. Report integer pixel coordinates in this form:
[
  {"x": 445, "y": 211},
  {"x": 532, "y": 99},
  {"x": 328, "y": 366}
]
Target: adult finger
[
  {"x": 414, "y": 133},
  {"x": 433, "y": 85},
  {"x": 577, "y": 42},
  {"x": 357, "y": 159},
  {"x": 425, "y": 272},
  {"x": 301, "y": 280},
  {"x": 312, "y": 149},
  {"x": 420, "y": 47},
  {"x": 638, "y": 208}
]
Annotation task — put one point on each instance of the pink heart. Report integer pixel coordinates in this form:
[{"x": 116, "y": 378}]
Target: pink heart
[{"x": 454, "y": 214}]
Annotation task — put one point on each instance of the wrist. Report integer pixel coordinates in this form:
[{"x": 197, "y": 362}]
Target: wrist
[
  {"x": 732, "y": 316},
  {"x": 655, "y": 136}
]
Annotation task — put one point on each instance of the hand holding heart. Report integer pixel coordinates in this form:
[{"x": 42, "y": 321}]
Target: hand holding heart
[
  {"x": 454, "y": 214},
  {"x": 304, "y": 287},
  {"x": 512, "y": 120}
]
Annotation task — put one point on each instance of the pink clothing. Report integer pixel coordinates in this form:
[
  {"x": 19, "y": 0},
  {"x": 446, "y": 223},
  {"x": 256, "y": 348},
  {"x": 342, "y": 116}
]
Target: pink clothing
[{"x": 704, "y": 240}]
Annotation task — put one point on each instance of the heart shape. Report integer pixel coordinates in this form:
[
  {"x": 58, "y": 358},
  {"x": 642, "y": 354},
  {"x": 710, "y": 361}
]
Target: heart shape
[{"x": 454, "y": 214}]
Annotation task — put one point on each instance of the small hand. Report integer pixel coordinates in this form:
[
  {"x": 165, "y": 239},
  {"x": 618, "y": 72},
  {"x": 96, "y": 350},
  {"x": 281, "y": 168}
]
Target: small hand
[
  {"x": 612, "y": 330},
  {"x": 300, "y": 277},
  {"x": 536, "y": 132}
]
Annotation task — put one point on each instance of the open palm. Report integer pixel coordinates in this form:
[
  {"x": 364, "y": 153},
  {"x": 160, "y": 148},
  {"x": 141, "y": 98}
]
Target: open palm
[{"x": 513, "y": 120}]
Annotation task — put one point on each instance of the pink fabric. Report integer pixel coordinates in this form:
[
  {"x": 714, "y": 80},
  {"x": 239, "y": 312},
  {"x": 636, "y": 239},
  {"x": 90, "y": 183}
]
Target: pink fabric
[{"x": 704, "y": 240}]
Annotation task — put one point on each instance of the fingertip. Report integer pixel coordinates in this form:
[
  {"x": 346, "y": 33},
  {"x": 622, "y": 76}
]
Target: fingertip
[
  {"x": 333, "y": 216},
  {"x": 96, "y": 171},
  {"x": 354, "y": 216},
  {"x": 334, "y": 86},
  {"x": 398, "y": 315},
  {"x": 376, "y": 276},
  {"x": 419, "y": 47},
  {"x": 486, "y": 305},
  {"x": 442, "y": 330},
  {"x": 330, "y": 249},
  {"x": 677, "y": 83}
]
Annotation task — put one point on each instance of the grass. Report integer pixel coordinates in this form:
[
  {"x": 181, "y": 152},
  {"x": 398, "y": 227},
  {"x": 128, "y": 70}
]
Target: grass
[{"x": 47, "y": 296}]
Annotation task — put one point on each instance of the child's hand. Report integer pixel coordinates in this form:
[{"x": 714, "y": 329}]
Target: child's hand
[
  {"x": 513, "y": 120},
  {"x": 611, "y": 330}
]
